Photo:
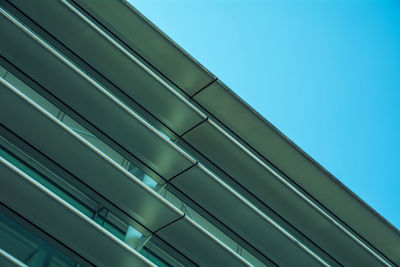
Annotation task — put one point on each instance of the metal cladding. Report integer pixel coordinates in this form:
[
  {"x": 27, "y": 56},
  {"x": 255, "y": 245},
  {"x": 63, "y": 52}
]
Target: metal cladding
[{"x": 119, "y": 149}]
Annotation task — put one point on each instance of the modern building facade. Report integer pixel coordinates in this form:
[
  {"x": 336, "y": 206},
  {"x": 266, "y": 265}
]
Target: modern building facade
[{"x": 118, "y": 149}]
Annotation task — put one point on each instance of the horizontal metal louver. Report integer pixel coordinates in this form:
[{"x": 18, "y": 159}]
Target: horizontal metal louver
[
  {"x": 62, "y": 221},
  {"x": 244, "y": 219},
  {"x": 286, "y": 156},
  {"x": 135, "y": 30},
  {"x": 60, "y": 143},
  {"x": 68, "y": 149},
  {"x": 271, "y": 188},
  {"x": 145, "y": 38},
  {"x": 117, "y": 64},
  {"x": 199, "y": 245},
  {"x": 27, "y": 51},
  {"x": 246, "y": 164}
]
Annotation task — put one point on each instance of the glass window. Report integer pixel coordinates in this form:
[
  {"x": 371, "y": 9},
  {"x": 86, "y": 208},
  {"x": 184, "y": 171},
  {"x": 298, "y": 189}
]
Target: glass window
[{"x": 28, "y": 248}]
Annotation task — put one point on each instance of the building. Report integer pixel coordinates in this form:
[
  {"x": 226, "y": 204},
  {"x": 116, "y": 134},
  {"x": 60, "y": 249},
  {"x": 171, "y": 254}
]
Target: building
[{"x": 119, "y": 149}]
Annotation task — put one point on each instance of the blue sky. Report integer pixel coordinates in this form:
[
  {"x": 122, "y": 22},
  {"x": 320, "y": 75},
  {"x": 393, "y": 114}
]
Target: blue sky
[{"x": 325, "y": 73}]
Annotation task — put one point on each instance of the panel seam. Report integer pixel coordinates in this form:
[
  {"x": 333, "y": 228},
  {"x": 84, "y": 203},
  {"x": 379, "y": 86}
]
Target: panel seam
[
  {"x": 201, "y": 89},
  {"x": 168, "y": 224}
]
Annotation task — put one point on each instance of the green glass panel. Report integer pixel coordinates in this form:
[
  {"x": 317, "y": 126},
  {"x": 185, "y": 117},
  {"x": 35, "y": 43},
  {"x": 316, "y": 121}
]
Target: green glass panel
[
  {"x": 3, "y": 71},
  {"x": 74, "y": 125},
  {"x": 45, "y": 182},
  {"x": 28, "y": 248},
  {"x": 32, "y": 94},
  {"x": 154, "y": 258},
  {"x": 114, "y": 230}
]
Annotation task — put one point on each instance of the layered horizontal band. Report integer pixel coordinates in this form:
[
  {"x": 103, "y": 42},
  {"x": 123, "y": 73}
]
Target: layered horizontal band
[
  {"x": 61, "y": 144},
  {"x": 116, "y": 120},
  {"x": 52, "y": 214},
  {"x": 86, "y": 97},
  {"x": 249, "y": 126},
  {"x": 114, "y": 62}
]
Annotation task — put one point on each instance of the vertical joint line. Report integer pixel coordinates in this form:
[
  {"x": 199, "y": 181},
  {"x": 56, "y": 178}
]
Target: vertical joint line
[
  {"x": 168, "y": 224},
  {"x": 5, "y": 74},
  {"x": 176, "y": 175},
  {"x": 195, "y": 126},
  {"x": 201, "y": 89}
]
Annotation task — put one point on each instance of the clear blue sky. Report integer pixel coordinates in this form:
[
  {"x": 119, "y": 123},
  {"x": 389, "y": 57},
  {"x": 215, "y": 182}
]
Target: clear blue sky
[{"x": 325, "y": 73}]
